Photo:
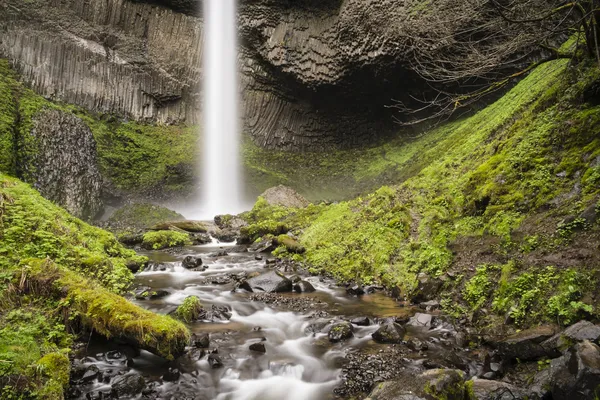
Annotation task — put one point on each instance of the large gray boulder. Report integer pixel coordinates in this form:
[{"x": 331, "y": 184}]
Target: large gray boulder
[
  {"x": 271, "y": 282},
  {"x": 576, "y": 375},
  {"x": 58, "y": 157},
  {"x": 446, "y": 384},
  {"x": 284, "y": 196}
]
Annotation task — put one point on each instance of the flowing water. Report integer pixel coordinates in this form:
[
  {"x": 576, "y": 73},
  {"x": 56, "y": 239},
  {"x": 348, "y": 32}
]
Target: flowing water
[
  {"x": 220, "y": 167},
  {"x": 300, "y": 362}
]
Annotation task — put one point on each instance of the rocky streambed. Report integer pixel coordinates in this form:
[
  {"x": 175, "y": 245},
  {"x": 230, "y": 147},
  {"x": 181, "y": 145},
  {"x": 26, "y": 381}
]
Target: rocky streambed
[{"x": 268, "y": 330}]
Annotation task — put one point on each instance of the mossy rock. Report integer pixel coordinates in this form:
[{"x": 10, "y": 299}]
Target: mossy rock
[
  {"x": 290, "y": 244},
  {"x": 143, "y": 216},
  {"x": 190, "y": 310},
  {"x": 157, "y": 240},
  {"x": 188, "y": 226}
]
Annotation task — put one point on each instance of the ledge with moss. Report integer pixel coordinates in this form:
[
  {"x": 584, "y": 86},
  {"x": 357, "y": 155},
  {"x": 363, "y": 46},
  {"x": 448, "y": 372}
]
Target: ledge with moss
[{"x": 53, "y": 265}]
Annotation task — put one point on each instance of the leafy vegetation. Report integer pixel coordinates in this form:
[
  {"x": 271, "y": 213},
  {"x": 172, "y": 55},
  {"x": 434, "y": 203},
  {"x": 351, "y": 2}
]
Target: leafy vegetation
[
  {"x": 44, "y": 298},
  {"x": 481, "y": 177},
  {"x": 143, "y": 215},
  {"x": 189, "y": 310}
]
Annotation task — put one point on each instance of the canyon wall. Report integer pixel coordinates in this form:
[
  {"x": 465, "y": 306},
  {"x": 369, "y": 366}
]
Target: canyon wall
[{"x": 314, "y": 74}]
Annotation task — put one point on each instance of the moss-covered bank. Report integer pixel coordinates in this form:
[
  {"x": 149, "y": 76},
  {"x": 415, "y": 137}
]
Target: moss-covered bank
[
  {"x": 497, "y": 210},
  {"x": 58, "y": 275}
]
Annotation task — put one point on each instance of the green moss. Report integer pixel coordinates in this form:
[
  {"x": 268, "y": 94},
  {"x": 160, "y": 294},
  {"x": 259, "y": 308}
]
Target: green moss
[
  {"x": 190, "y": 310},
  {"x": 477, "y": 289},
  {"x": 8, "y": 119},
  {"x": 162, "y": 239},
  {"x": 33, "y": 227},
  {"x": 143, "y": 215}
]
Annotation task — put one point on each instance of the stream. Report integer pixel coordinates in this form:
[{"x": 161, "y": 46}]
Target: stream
[{"x": 299, "y": 362}]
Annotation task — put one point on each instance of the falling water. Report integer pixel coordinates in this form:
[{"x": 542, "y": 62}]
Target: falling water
[{"x": 221, "y": 175}]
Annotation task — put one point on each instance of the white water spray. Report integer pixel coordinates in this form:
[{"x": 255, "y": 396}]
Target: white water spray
[{"x": 221, "y": 166}]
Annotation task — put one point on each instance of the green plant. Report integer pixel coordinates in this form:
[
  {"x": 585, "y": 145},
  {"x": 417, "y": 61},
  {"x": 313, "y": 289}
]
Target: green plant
[{"x": 162, "y": 239}]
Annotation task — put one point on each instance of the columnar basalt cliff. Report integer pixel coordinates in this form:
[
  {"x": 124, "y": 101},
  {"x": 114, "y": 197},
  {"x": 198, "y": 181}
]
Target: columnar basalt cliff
[{"x": 306, "y": 67}]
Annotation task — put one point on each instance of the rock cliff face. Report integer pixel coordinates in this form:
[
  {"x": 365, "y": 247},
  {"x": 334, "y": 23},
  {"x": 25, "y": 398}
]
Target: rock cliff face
[
  {"x": 61, "y": 162},
  {"x": 315, "y": 74}
]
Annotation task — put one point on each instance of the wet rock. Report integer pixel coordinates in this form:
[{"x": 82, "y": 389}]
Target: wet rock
[
  {"x": 355, "y": 290},
  {"x": 361, "y": 321},
  {"x": 340, "y": 331},
  {"x": 303, "y": 287},
  {"x": 142, "y": 292},
  {"x": 200, "y": 238},
  {"x": 526, "y": 345},
  {"x": 229, "y": 221},
  {"x": 484, "y": 389},
  {"x": 218, "y": 313},
  {"x": 590, "y": 215},
  {"x": 172, "y": 375},
  {"x": 226, "y": 235},
  {"x": 576, "y": 375},
  {"x": 295, "y": 278},
  {"x": 258, "y": 347},
  {"x": 201, "y": 341},
  {"x": 421, "y": 320},
  {"x": 271, "y": 282},
  {"x": 582, "y": 330},
  {"x": 244, "y": 285},
  {"x": 417, "y": 344},
  {"x": 258, "y": 258},
  {"x": 191, "y": 262},
  {"x": 214, "y": 361},
  {"x": 432, "y": 384},
  {"x": 541, "y": 386},
  {"x": 428, "y": 288},
  {"x": 131, "y": 239},
  {"x": 127, "y": 386},
  {"x": 195, "y": 354},
  {"x": 91, "y": 374},
  {"x": 220, "y": 280},
  {"x": 158, "y": 294},
  {"x": 114, "y": 355},
  {"x": 220, "y": 253},
  {"x": 184, "y": 225},
  {"x": 263, "y": 246},
  {"x": 390, "y": 332},
  {"x": 284, "y": 196}
]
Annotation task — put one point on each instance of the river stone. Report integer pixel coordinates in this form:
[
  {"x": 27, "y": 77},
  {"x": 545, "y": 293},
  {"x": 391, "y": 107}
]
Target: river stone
[
  {"x": 526, "y": 345},
  {"x": 304, "y": 287},
  {"x": 263, "y": 246},
  {"x": 201, "y": 340},
  {"x": 91, "y": 374},
  {"x": 214, "y": 361},
  {"x": 172, "y": 375},
  {"x": 191, "y": 262},
  {"x": 226, "y": 235},
  {"x": 340, "y": 331},
  {"x": 258, "y": 347},
  {"x": 126, "y": 386},
  {"x": 390, "y": 332},
  {"x": 284, "y": 196},
  {"x": 484, "y": 389},
  {"x": 361, "y": 321},
  {"x": 271, "y": 282},
  {"x": 355, "y": 290},
  {"x": 576, "y": 375},
  {"x": 448, "y": 384},
  {"x": 421, "y": 320}
]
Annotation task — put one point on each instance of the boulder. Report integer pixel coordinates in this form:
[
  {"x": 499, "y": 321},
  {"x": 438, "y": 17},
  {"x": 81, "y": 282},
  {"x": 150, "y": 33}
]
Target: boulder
[
  {"x": 127, "y": 386},
  {"x": 526, "y": 345},
  {"x": 200, "y": 238},
  {"x": 355, "y": 290},
  {"x": 582, "y": 330},
  {"x": 192, "y": 262},
  {"x": 576, "y": 375},
  {"x": 340, "y": 331},
  {"x": 303, "y": 287},
  {"x": 448, "y": 384},
  {"x": 390, "y": 332},
  {"x": 91, "y": 374},
  {"x": 427, "y": 289},
  {"x": 263, "y": 246},
  {"x": 201, "y": 340},
  {"x": 271, "y": 282},
  {"x": 361, "y": 321},
  {"x": 284, "y": 196},
  {"x": 258, "y": 347},
  {"x": 172, "y": 375},
  {"x": 484, "y": 389},
  {"x": 421, "y": 320},
  {"x": 226, "y": 235},
  {"x": 214, "y": 361},
  {"x": 229, "y": 221}
]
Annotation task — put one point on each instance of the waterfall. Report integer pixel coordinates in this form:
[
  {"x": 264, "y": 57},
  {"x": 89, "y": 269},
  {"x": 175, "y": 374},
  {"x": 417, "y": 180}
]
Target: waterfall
[{"x": 221, "y": 184}]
